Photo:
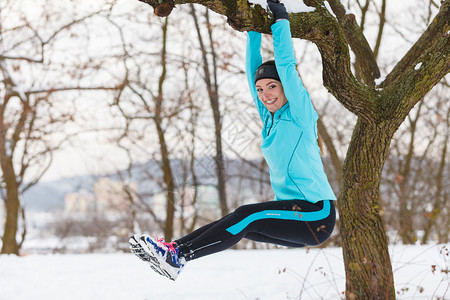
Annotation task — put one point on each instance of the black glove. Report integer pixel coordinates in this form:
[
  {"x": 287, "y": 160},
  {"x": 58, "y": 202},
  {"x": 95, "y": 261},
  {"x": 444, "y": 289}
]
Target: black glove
[{"x": 278, "y": 10}]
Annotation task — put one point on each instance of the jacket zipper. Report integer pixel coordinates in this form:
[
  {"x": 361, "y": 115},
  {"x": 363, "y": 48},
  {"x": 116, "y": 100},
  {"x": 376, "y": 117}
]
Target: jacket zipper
[{"x": 270, "y": 125}]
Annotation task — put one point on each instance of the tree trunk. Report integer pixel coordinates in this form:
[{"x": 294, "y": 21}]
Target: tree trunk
[
  {"x": 210, "y": 78},
  {"x": 12, "y": 209},
  {"x": 439, "y": 199},
  {"x": 167, "y": 170},
  {"x": 168, "y": 181},
  {"x": 405, "y": 228},
  {"x": 365, "y": 247}
]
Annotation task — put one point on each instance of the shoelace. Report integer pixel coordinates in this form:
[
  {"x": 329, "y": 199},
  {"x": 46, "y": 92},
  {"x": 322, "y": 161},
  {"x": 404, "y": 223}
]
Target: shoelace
[{"x": 169, "y": 246}]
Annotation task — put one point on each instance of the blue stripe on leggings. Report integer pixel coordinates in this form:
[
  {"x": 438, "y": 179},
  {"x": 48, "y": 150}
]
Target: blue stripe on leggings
[{"x": 281, "y": 215}]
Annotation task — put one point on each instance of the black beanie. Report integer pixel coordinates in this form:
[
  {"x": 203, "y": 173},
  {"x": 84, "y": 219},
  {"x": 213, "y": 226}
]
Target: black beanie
[{"x": 267, "y": 70}]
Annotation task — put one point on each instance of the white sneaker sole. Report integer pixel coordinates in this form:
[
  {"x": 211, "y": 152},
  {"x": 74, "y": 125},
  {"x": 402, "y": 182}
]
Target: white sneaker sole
[
  {"x": 137, "y": 249},
  {"x": 157, "y": 262}
]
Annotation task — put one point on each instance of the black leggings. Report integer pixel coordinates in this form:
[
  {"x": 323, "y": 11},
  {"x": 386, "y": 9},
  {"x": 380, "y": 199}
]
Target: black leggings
[{"x": 292, "y": 223}]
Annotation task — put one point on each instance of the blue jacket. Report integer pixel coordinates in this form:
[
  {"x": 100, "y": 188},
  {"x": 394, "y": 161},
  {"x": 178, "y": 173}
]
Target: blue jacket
[{"x": 289, "y": 137}]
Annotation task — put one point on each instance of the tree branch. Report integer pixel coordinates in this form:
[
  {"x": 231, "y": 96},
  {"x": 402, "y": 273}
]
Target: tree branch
[
  {"x": 27, "y": 59},
  {"x": 382, "y": 15},
  {"x": 328, "y": 140},
  {"x": 358, "y": 43},
  {"x": 319, "y": 27},
  {"x": 420, "y": 72},
  {"x": 437, "y": 30}
]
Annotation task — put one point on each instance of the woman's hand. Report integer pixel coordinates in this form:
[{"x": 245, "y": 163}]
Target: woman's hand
[{"x": 278, "y": 10}]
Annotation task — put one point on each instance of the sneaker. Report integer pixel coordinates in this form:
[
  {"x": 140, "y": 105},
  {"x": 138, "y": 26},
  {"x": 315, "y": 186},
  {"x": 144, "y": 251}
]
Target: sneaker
[
  {"x": 148, "y": 257},
  {"x": 137, "y": 249},
  {"x": 162, "y": 256}
]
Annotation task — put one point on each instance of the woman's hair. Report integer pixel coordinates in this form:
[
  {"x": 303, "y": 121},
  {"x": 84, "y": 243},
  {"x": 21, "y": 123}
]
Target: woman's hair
[{"x": 320, "y": 143}]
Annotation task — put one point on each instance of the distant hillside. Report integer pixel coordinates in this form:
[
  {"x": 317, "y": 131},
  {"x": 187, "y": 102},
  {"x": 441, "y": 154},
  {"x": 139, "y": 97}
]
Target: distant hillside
[{"x": 50, "y": 195}]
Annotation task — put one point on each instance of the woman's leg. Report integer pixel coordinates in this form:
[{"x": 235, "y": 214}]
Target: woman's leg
[
  {"x": 194, "y": 234},
  {"x": 258, "y": 237},
  {"x": 288, "y": 223},
  {"x": 311, "y": 230}
]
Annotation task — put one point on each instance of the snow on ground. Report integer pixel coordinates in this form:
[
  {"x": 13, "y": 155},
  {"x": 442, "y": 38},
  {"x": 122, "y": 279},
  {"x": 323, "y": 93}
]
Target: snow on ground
[{"x": 421, "y": 272}]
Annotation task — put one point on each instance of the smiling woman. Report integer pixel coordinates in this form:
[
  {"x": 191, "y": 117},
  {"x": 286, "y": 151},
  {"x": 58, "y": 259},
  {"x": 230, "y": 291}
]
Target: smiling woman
[
  {"x": 269, "y": 88},
  {"x": 302, "y": 212}
]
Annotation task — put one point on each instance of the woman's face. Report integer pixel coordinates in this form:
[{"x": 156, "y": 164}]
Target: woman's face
[{"x": 271, "y": 94}]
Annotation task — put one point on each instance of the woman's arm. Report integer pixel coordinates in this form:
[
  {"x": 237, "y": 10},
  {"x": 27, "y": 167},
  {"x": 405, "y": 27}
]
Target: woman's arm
[
  {"x": 253, "y": 61},
  {"x": 300, "y": 104}
]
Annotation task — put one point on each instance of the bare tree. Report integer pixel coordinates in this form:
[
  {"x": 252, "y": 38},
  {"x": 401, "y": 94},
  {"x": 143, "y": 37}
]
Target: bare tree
[
  {"x": 380, "y": 111},
  {"x": 153, "y": 107},
  {"x": 440, "y": 205},
  {"x": 416, "y": 169},
  {"x": 161, "y": 118},
  {"x": 36, "y": 88},
  {"x": 189, "y": 189},
  {"x": 212, "y": 86}
]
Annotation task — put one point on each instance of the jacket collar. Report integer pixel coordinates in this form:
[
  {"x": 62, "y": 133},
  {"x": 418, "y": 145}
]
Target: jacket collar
[{"x": 279, "y": 112}]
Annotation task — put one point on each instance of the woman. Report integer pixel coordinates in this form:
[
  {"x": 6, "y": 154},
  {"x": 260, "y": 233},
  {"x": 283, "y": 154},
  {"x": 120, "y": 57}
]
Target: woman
[{"x": 302, "y": 212}]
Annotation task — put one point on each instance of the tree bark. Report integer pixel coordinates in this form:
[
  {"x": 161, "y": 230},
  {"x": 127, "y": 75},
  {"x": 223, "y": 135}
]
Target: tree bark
[
  {"x": 367, "y": 263},
  {"x": 12, "y": 208},
  {"x": 10, "y": 178}
]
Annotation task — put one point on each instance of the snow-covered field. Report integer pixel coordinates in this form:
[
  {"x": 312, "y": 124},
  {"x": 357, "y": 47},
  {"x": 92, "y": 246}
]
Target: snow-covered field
[{"x": 421, "y": 272}]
